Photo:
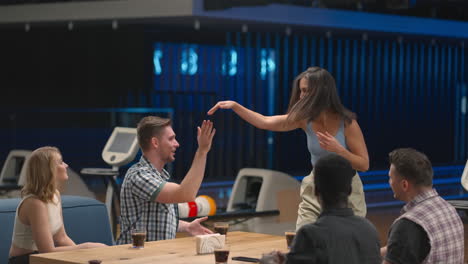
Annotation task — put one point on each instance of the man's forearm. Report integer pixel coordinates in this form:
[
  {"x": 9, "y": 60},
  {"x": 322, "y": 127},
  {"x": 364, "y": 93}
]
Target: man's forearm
[
  {"x": 192, "y": 181},
  {"x": 182, "y": 226}
]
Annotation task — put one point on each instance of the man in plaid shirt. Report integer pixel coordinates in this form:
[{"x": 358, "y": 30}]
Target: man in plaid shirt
[
  {"x": 148, "y": 199},
  {"x": 429, "y": 229}
]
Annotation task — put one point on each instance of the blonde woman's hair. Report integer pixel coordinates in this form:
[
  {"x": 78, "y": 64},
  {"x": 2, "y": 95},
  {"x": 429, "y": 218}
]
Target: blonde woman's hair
[{"x": 40, "y": 170}]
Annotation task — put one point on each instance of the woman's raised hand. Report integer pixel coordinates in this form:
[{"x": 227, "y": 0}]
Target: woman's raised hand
[{"x": 222, "y": 105}]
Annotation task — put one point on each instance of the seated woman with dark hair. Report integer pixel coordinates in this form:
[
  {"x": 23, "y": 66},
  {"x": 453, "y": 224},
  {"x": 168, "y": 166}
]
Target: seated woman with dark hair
[
  {"x": 338, "y": 236},
  {"x": 39, "y": 223}
]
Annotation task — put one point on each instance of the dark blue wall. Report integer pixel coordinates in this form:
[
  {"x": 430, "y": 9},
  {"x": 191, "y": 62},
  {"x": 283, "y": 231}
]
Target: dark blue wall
[{"x": 405, "y": 92}]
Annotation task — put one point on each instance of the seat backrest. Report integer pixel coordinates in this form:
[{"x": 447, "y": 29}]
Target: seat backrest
[
  {"x": 85, "y": 220},
  {"x": 464, "y": 177},
  {"x": 7, "y": 221}
]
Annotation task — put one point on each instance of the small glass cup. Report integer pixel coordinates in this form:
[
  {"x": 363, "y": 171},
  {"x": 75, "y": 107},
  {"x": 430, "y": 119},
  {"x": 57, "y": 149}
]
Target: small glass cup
[
  {"x": 221, "y": 255},
  {"x": 221, "y": 228},
  {"x": 138, "y": 238},
  {"x": 290, "y": 237}
]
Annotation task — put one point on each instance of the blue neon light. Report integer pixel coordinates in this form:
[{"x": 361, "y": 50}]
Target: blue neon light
[
  {"x": 157, "y": 61},
  {"x": 267, "y": 63},
  {"x": 229, "y": 66},
  {"x": 189, "y": 61}
]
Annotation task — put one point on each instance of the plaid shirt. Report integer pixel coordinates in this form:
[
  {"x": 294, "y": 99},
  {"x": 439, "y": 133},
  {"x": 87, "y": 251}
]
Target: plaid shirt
[
  {"x": 138, "y": 207},
  {"x": 442, "y": 224}
]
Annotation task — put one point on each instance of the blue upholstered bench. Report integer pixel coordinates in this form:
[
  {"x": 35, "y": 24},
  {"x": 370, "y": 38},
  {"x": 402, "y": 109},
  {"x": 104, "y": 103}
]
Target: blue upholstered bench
[{"x": 85, "y": 220}]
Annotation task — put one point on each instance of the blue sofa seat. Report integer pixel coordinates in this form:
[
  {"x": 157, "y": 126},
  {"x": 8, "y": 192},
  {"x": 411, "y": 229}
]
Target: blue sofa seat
[{"x": 85, "y": 220}]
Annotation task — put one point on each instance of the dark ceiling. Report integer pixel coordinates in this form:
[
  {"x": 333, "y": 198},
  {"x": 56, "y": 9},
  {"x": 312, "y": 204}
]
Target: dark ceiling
[{"x": 440, "y": 9}]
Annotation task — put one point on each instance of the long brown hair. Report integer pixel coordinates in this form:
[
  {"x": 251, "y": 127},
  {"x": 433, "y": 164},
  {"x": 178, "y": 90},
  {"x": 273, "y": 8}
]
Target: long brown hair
[
  {"x": 322, "y": 95},
  {"x": 40, "y": 174}
]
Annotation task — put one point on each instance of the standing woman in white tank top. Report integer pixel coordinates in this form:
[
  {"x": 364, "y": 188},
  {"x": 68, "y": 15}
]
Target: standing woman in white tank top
[
  {"x": 38, "y": 222},
  {"x": 315, "y": 107}
]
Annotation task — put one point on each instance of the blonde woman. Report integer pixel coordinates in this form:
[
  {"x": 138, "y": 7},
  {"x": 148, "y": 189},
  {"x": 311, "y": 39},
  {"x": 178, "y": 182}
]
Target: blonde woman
[{"x": 38, "y": 222}]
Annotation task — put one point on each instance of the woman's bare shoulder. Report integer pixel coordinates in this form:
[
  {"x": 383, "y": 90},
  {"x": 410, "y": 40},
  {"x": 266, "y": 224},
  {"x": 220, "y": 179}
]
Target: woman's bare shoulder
[{"x": 33, "y": 202}]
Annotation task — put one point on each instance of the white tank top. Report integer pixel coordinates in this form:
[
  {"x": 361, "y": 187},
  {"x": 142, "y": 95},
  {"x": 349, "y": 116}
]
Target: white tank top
[{"x": 22, "y": 234}]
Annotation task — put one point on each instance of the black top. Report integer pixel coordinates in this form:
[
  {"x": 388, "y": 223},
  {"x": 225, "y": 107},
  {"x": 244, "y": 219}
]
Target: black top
[
  {"x": 337, "y": 237},
  {"x": 407, "y": 243}
]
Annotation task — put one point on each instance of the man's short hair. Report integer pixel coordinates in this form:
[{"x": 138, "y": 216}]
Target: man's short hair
[
  {"x": 149, "y": 127},
  {"x": 412, "y": 165},
  {"x": 333, "y": 175}
]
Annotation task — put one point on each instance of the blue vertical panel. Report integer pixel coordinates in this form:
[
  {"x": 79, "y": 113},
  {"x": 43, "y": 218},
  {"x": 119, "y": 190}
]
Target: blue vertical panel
[
  {"x": 401, "y": 60},
  {"x": 232, "y": 79},
  {"x": 414, "y": 86},
  {"x": 423, "y": 114},
  {"x": 354, "y": 75},
  {"x": 322, "y": 53},
  {"x": 370, "y": 81},
  {"x": 286, "y": 73},
  {"x": 258, "y": 81},
  {"x": 175, "y": 81},
  {"x": 429, "y": 82},
  {"x": 378, "y": 83},
  {"x": 430, "y": 76},
  {"x": 435, "y": 76},
  {"x": 305, "y": 56},
  {"x": 457, "y": 114},
  {"x": 179, "y": 85},
  {"x": 362, "y": 75},
  {"x": 393, "y": 79},
  {"x": 385, "y": 85},
  {"x": 248, "y": 69},
  {"x": 442, "y": 76},
  {"x": 238, "y": 85},
  {"x": 200, "y": 83},
  {"x": 463, "y": 141},
  {"x": 277, "y": 71},
  {"x": 195, "y": 80},
  {"x": 408, "y": 80},
  {"x": 160, "y": 78},
  {"x": 295, "y": 58},
  {"x": 347, "y": 93},
  {"x": 168, "y": 54},
  {"x": 450, "y": 84},
  {"x": 192, "y": 83},
  {"x": 338, "y": 67},
  {"x": 313, "y": 51},
  {"x": 330, "y": 54}
]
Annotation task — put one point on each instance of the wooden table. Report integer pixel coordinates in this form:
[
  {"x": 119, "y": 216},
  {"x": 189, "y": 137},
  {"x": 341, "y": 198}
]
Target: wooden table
[{"x": 175, "y": 251}]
